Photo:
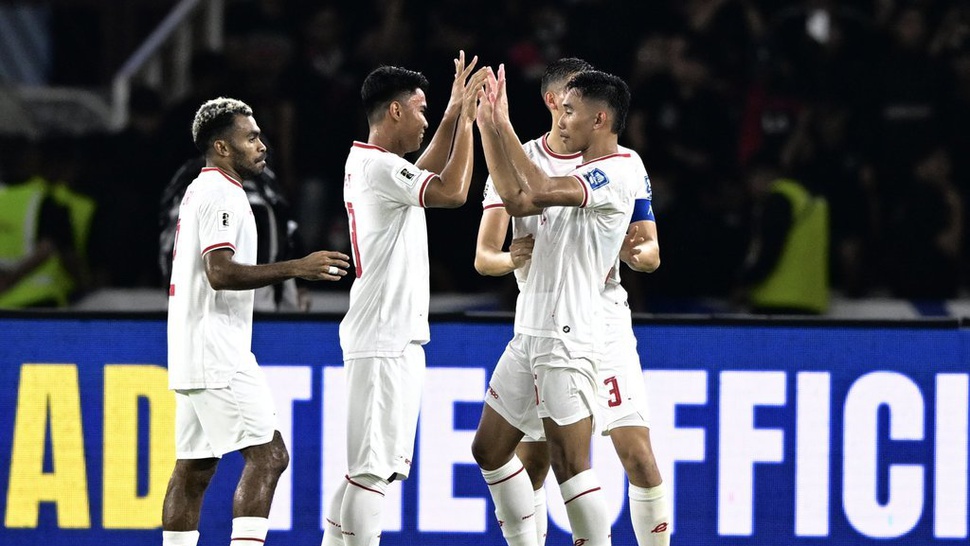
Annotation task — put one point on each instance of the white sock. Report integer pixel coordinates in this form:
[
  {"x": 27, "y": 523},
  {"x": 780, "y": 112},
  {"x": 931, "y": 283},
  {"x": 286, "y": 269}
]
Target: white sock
[
  {"x": 586, "y": 508},
  {"x": 249, "y": 531},
  {"x": 650, "y": 515},
  {"x": 180, "y": 538},
  {"x": 361, "y": 510},
  {"x": 512, "y": 494},
  {"x": 332, "y": 535},
  {"x": 542, "y": 515}
]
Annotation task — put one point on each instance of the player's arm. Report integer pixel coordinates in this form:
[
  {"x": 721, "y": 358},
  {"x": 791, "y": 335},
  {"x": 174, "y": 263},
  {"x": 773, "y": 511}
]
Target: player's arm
[
  {"x": 524, "y": 187},
  {"x": 490, "y": 259},
  {"x": 641, "y": 247},
  {"x": 223, "y": 273},
  {"x": 450, "y": 188},
  {"x": 435, "y": 156}
]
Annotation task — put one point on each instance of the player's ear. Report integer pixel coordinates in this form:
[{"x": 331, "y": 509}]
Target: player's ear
[
  {"x": 602, "y": 120},
  {"x": 550, "y": 99},
  {"x": 221, "y": 147},
  {"x": 395, "y": 109}
]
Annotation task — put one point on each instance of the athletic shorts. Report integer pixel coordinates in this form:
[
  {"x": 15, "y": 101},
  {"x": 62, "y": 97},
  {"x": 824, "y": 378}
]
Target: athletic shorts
[
  {"x": 622, "y": 395},
  {"x": 512, "y": 391},
  {"x": 566, "y": 385},
  {"x": 212, "y": 422},
  {"x": 383, "y": 401}
]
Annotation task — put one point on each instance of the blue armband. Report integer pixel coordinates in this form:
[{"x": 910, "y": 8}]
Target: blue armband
[{"x": 642, "y": 210}]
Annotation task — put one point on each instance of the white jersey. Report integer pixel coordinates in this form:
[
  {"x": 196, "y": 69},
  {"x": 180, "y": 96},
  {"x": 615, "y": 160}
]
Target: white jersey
[
  {"x": 575, "y": 253},
  {"x": 209, "y": 331},
  {"x": 615, "y": 306},
  {"x": 384, "y": 196},
  {"x": 552, "y": 164}
]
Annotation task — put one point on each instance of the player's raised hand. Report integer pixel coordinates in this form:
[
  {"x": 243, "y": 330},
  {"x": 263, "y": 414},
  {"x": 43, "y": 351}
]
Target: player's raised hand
[
  {"x": 476, "y": 83},
  {"x": 629, "y": 250},
  {"x": 486, "y": 102},
  {"x": 520, "y": 249},
  {"x": 323, "y": 265},
  {"x": 462, "y": 71},
  {"x": 501, "y": 98}
]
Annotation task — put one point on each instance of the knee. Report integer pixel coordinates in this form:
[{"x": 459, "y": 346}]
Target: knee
[
  {"x": 279, "y": 459},
  {"x": 484, "y": 457},
  {"x": 641, "y": 468}
]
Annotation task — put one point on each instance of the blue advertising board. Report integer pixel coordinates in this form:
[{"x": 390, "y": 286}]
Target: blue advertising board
[{"x": 766, "y": 434}]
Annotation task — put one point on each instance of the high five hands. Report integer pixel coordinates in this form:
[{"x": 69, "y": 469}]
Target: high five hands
[
  {"x": 465, "y": 87},
  {"x": 493, "y": 104}
]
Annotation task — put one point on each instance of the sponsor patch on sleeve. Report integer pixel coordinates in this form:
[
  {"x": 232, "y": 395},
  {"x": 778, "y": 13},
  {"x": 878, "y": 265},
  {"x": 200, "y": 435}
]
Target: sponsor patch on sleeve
[
  {"x": 225, "y": 219},
  {"x": 596, "y": 178},
  {"x": 406, "y": 176}
]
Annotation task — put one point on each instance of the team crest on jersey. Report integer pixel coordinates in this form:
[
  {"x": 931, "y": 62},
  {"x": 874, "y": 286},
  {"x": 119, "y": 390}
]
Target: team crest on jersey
[
  {"x": 596, "y": 178},
  {"x": 646, "y": 181},
  {"x": 225, "y": 219},
  {"x": 406, "y": 177}
]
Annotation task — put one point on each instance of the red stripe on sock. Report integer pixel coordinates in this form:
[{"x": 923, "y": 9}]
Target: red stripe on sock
[
  {"x": 581, "y": 494},
  {"x": 364, "y": 487},
  {"x": 259, "y": 540},
  {"x": 517, "y": 472}
]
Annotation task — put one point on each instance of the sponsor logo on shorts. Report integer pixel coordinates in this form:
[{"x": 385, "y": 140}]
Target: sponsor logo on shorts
[
  {"x": 660, "y": 528},
  {"x": 492, "y": 393}
]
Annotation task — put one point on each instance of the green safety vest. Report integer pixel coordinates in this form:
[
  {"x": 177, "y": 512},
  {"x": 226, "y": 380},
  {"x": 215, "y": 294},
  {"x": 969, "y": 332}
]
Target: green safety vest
[
  {"x": 800, "y": 279},
  {"x": 20, "y": 207}
]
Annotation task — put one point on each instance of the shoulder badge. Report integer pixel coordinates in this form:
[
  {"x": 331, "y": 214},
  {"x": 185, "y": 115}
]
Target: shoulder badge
[{"x": 596, "y": 178}]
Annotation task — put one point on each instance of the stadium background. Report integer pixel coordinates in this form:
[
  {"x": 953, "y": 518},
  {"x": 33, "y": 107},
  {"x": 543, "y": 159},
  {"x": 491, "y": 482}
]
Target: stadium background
[{"x": 857, "y": 95}]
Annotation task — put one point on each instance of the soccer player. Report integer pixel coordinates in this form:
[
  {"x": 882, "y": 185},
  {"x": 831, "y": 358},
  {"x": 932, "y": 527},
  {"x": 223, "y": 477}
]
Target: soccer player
[
  {"x": 386, "y": 326},
  {"x": 622, "y": 398},
  {"x": 583, "y": 220},
  {"x": 222, "y": 400}
]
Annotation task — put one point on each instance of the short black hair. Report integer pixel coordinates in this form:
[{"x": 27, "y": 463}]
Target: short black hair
[
  {"x": 386, "y": 84},
  {"x": 608, "y": 88},
  {"x": 561, "y": 71},
  {"x": 213, "y": 118}
]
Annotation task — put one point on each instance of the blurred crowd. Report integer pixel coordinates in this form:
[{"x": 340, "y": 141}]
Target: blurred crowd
[{"x": 863, "y": 102}]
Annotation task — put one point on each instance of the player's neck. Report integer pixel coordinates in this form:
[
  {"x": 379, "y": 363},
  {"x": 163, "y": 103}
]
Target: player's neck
[
  {"x": 226, "y": 169},
  {"x": 379, "y": 137},
  {"x": 600, "y": 148}
]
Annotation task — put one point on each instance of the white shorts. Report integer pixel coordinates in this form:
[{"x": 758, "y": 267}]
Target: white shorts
[
  {"x": 622, "y": 395},
  {"x": 566, "y": 385},
  {"x": 383, "y": 401},
  {"x": 212, "y": 422},
  {"x": 512, "y": 391}
]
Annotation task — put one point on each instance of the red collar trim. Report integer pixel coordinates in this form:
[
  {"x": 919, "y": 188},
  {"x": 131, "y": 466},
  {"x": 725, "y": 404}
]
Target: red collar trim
[
  {"x": 602, "y": 158},
  {"x": 223, "y": 173},
  {"x": 545, "y": 146},
  {"x": 358, "y": 144}
]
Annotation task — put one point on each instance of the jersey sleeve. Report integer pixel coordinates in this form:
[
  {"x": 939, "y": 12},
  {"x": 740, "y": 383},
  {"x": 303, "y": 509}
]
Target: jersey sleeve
[
  {"x": 400, "y": 181},
  {"x": 491, "y": 198},
  {"x": 643, "y": 206},
  {"x": 603, "y": 187},
  {"x": 219, "y": 223}
]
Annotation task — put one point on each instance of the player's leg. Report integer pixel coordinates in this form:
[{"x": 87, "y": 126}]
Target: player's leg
[
  {"x": 567, "y": 396},
  {"x": 534, "y": 455},
  {"x": 333, "y": 535},
  {"x": 194, "y": 467},
  {"x": 183, "y": 500},
  {"x": 382, "y": 418},
  {"x": 263, "y": 465},
  {"x": 649, "y": 507},
  {"x": 509, "y": 410},
  {"x": 625, "y": 410},
  {"x": 242, "y": 417}
]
